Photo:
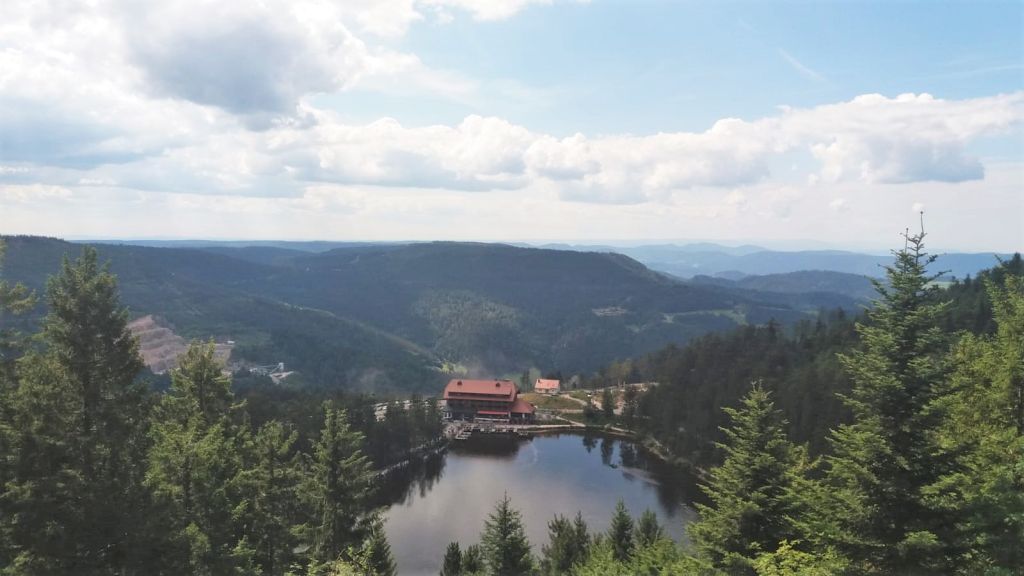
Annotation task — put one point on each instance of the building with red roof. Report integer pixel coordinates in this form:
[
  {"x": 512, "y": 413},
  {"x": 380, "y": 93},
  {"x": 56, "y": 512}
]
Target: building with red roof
[
  {"x": 545, "y": 386},
  {"x": 486, "y": 400}
]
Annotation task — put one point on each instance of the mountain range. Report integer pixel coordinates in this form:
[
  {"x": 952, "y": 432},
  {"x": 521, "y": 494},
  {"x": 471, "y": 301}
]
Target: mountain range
[{"x": 398, "y": 316}]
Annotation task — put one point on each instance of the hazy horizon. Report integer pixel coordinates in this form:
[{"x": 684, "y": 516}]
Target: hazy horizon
[{"x": 568, "y": 121}]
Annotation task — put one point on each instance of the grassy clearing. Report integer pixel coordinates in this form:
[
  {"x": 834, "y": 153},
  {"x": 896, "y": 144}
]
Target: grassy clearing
[{"x": 550, "y": 402}]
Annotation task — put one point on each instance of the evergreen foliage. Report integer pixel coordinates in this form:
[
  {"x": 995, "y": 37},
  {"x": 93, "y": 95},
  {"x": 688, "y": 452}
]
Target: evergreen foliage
[
  {"x": 608, "y": 403},
  {"x": 336, "y": 488},
  {"x": 889, "y": 454},
  {"x": 195, "y": 466},
  {"x": 377, "y": 553},
  {"x": 568, "y": 545},
  {"x": 749, "y": 493},
  {"x": 506, "y": 549},
  {"x": 985, "y": 429},
  {"x": 620, "y": 534},
  {"x": 15, "y": 300},
  {"x": 473, "y": 561},
  {"x": 78, "y": 443},
  {"x": 452, "y": 564},
  {"x": 648, "y": 530},
  {"x": 269, "y": 507}
]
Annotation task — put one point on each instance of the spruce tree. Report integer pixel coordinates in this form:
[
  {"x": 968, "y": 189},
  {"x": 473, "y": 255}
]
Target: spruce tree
[
  {"x": 194, "y": 468},
  {"x": 452, "y": 564},
  {"x": 608, "y": 403},
  {"x": 581, "y": 537},
  {"x": 337, "y": 488},
  {"x": 620, "y": 534},
  {"x": 566, "y": 546},
  {"x": 648, "y": 530},
  {"x": 749, "y": 493},
  {"x": 15, "y": 299},
  {"x": 75, "y": 494},
  {"x": 985, "y": 429},
  {"x": 269, "y": 508},
  {"x": 377, "y": 552},
  {"x": 473, "y": 561},
  {"x": 885, "y": 458},
  {"x": 506, "y": 549}
]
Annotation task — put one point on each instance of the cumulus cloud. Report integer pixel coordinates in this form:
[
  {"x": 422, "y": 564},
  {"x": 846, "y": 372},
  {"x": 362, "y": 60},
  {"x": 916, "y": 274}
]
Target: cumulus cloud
[{"x": 215, "y": 98}]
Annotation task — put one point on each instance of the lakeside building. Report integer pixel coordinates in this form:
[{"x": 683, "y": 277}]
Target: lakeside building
[
  {"x": 488, "y": 400},
  {"x": 544, "y": 386}
]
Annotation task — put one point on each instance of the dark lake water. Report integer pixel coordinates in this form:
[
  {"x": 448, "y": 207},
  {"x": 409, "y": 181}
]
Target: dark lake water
[{"x": 447, "y": 497}]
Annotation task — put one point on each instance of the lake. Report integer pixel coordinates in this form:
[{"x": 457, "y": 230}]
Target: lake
[{"x": 448, "y": 496}]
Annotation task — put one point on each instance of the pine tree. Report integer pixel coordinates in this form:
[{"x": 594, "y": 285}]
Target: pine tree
[
  {"x": 452, "y": 565},
  {"x": 985, "y": 429},
  {"x": 749, "y": 494},
  {"x": 377, "y": 552},
  {"x": 581, "y": 537},
  {"x": 269, "y": 487},
  {"x": 608, "y": 403},
  {"x": 620, "y": 534},
  {"x": 568, "y": 545},
  {"x": 76, "y": 496},
  {"x": 473, "y": 561},
  {"x": 337, "y": 488},
  {"x": 14, "y": 300},
  {"x": 885, "y": 458},
  {"x": 195, "y": 465},
  {"x": 648, "y": 530},
  {"x": 506, "y": 549}
]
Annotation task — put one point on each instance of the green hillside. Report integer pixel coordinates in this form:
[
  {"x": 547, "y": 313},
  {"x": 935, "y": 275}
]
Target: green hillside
[
  {"x": 199, "y": 294},
  {"x": 500, "y": 307},
  {"x": 385, "y": 316}
]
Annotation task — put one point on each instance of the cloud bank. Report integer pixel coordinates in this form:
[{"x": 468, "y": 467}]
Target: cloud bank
[{"x": 211, "y": 99}]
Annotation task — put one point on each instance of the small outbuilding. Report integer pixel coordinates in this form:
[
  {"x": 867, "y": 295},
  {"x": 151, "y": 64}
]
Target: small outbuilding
[{"x": 545, "y": 386}]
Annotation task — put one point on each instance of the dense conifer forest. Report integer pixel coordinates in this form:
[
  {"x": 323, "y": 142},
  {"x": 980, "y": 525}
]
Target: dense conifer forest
[{"x": 890, "y": 442}]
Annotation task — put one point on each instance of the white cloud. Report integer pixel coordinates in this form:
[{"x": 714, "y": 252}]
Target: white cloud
[
  {"x": 204, "y": 106},
  {"x": 33, "y": 193}
]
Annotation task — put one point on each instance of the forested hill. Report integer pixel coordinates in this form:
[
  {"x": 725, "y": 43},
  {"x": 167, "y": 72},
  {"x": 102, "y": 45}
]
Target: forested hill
[
  {"x": 799, "y": 364},
  {"x": 855, "y": 286},
  {"x": 201, "y": 296},
  {"x": 396, "y": 311}
]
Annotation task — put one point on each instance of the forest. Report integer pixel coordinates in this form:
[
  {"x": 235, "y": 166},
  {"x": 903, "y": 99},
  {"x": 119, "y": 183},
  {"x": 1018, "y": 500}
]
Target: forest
[
  {"x": 887, "y": 443},
  {"x": 102, "y": 475},
  {"x": 385, "y": 318}
]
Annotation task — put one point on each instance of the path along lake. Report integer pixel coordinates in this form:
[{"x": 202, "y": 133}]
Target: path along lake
[{"x": 448, "y": 496}]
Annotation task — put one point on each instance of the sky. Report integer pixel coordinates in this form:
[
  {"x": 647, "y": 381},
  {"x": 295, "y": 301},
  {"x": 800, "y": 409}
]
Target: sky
[{"x": 793, "y": 124}]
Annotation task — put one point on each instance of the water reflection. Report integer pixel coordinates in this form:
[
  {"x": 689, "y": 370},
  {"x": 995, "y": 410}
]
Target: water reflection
[
  {"x": 447, "y": 497},
  {"x": 417, "y": 477},
  {"x": 607, "y": 449},
  {"x": 589, "y": 441}
]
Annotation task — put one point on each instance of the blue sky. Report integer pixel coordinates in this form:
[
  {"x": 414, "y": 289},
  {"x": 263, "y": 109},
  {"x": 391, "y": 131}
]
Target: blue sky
[
  {"x": 643, "y": 67},
  {"x": 785, "y": 123}
]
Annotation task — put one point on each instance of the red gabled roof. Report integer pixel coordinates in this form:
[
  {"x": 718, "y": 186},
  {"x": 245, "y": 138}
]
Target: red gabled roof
[
  {"x": 543, "y": 384},
  {"x": 521, "y": 406},
  {"x": 457, "y": 387}
]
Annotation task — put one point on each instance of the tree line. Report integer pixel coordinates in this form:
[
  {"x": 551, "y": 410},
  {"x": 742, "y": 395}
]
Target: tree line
[{"x": 99, "y": 474}]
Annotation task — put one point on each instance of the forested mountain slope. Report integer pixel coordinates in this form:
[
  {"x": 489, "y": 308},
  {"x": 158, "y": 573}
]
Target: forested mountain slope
[
  {"x": 798, "y": 364},
  {"x": 368, "y": 313},
  {"x": 500, "y": 307},
  {"x": 201, "y": 295}
]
